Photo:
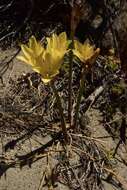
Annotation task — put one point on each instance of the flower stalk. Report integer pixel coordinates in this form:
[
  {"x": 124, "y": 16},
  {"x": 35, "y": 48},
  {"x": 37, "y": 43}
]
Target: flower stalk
[
  {"x": 59, "y": 106},
  {"x": 70, "y": 86},
  {"x": 79, "y": 97},
  {"x": 71, "y": 66},
  {"x": 87, "y": 55},
  {"x": 75, "y": 16}
]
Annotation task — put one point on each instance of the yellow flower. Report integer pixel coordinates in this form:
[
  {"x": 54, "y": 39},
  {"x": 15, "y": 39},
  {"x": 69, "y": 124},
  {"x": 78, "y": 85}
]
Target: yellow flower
[
  {"x": 31, "y": 51},
  {"x": 46, "y": 61},
  {"x": 85, "y": 52},
  {"x": 58, "y": 43}
]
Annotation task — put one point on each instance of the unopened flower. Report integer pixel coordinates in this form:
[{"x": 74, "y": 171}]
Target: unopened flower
[
  {"x": 46, "y": 61},
  {"x": 85, "y": 52}
]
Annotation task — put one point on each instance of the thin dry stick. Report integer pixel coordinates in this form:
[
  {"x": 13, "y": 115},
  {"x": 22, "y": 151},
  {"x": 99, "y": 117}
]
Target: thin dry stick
[
  {"x": 118, "y": 177},
  {"x": 77, "y": 178},
  {"x": 42, "y": 181},
  {"x": 85, "y": 137}
]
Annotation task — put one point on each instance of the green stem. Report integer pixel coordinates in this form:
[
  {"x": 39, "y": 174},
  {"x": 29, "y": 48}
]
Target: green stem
[
  {"x": 70, "y": 76},
  {"x": 80, "y": 93},
  {"x": 70, "y": 88},
  {"x": 72, "y": 33},
  {"x": 59, "y": 106}
]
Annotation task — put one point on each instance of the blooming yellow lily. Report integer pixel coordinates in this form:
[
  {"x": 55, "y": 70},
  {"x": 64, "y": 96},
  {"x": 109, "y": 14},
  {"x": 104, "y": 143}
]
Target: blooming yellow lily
[
  {"x": 85, "y": 52},
  {"x": 46, "y": 61}
]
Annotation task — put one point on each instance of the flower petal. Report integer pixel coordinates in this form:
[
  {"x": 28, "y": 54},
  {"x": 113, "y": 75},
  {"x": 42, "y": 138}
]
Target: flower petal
[
  {"x": 46, "y": 80},
  {"x": 63, "y": 40},
  {"x": 55, "y": 41},
  {"x": 22, "y": 58},
  {"x": 35, "y": 46},
  {"x": 78, "y": 45},
  {"x": 78, "y": 54},
  {"x": 27, "y": 51},
  {"x": 85, "y": 52}
]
